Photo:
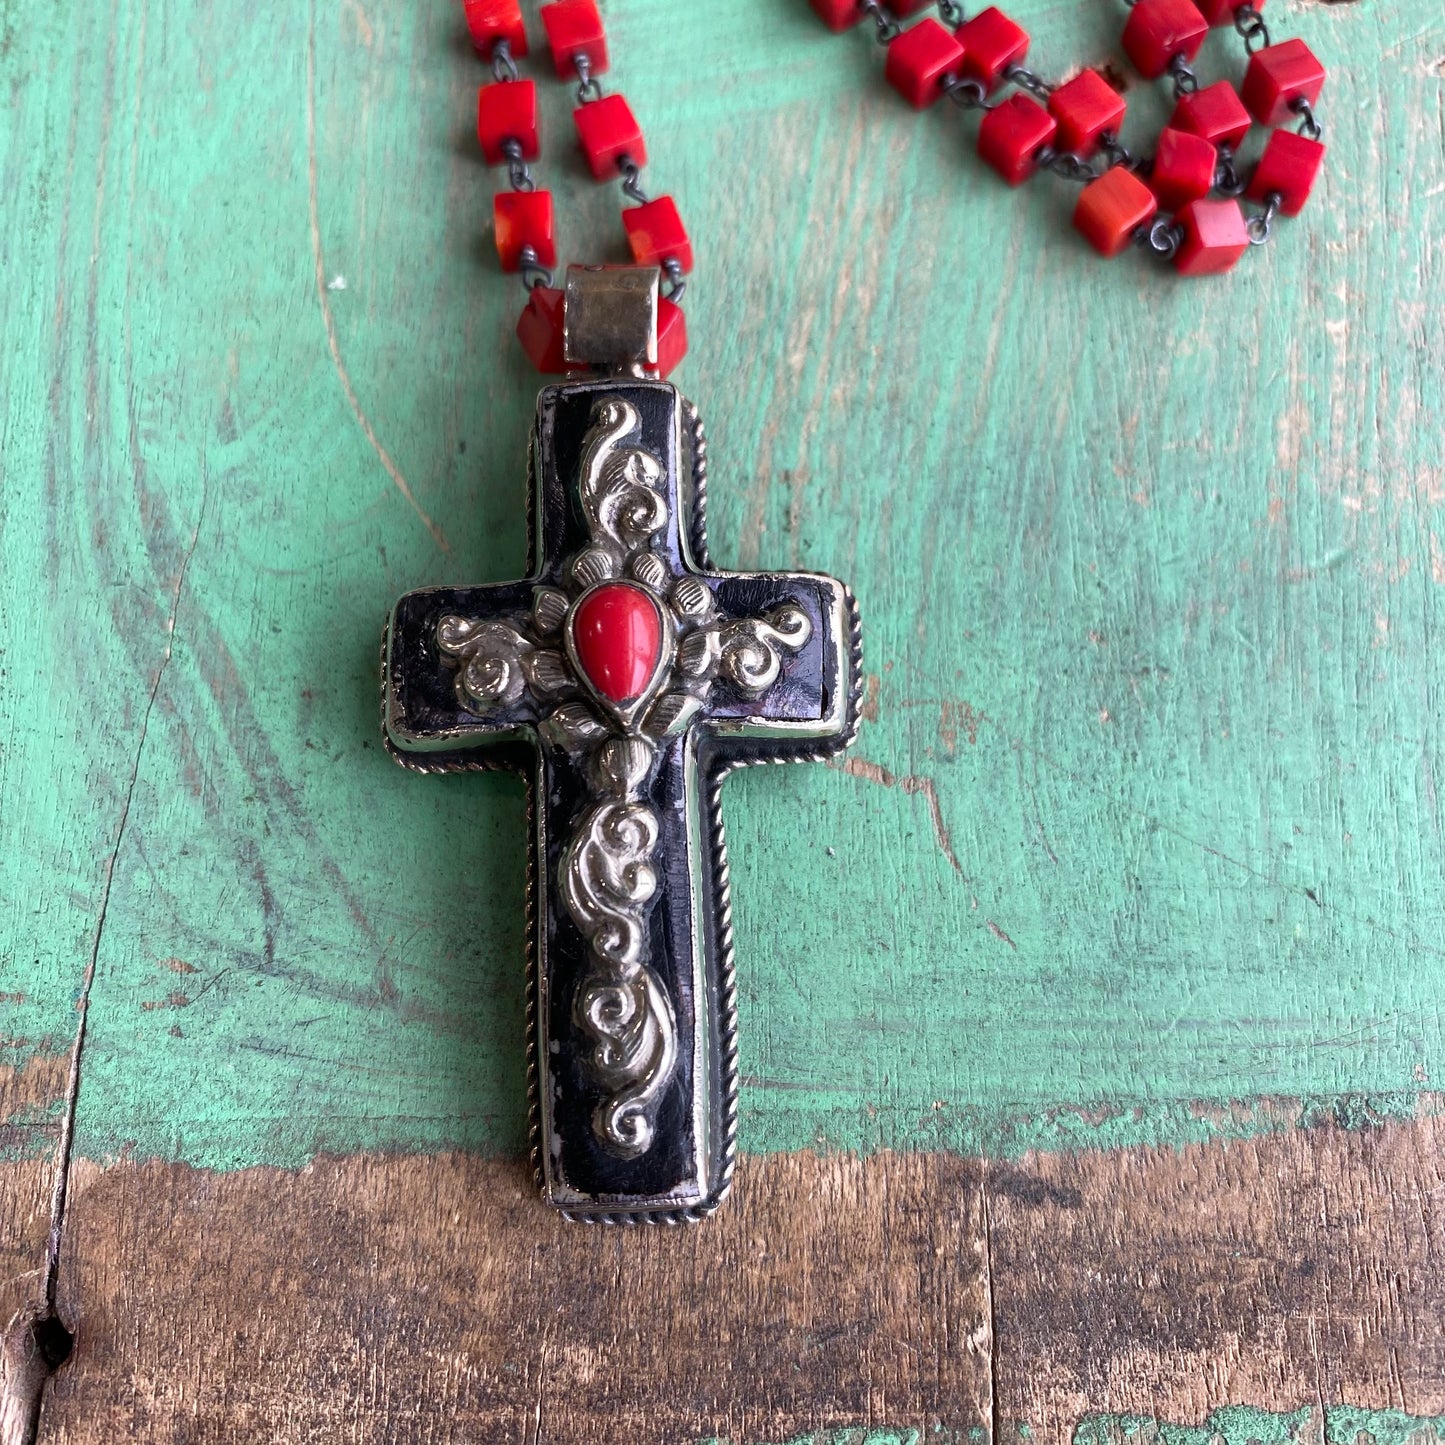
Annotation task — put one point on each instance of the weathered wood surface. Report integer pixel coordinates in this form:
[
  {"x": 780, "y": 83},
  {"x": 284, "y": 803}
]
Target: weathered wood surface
[{"x": 1140, "y": 847}]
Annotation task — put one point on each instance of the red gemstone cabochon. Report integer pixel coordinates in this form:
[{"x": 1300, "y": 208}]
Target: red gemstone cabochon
[{"x": 617, "y": 636}]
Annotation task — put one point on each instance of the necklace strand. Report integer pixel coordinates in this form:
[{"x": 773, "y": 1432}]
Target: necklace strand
[{"x": 1180, "y": 203}]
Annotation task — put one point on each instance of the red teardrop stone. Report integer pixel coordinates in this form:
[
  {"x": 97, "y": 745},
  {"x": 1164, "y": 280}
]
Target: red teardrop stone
[{"x": 617, "y": 635}]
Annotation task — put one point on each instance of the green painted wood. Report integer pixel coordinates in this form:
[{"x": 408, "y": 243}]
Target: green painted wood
[{"x": 1142, "y": 838}]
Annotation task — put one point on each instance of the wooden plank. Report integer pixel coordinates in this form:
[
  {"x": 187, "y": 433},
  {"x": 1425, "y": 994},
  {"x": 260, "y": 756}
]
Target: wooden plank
[{"x": 372, "y": 1298}]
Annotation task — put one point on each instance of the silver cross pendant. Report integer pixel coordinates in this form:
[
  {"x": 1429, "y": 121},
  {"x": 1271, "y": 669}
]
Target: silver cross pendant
[{"x": 625, "y": 677}]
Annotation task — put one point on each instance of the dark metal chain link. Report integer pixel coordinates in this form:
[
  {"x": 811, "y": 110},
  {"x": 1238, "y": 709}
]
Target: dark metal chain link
[
  {"x": 1185, "y": 80},
  {"x": 503, "y": 66},
  {"x": 588, "y": 86},
  {"x": 1026, "y": 80},
  {"x": 1259, "y": 226},
  {"x": 966, "y": 94},
  {"x": 950, "y": 13},
  {"x": 1066, "y": 164},
  {"x": 887, "y": 27},
  {"x": 1309, "y": 125},
  {"x": 517, "y": 171},
  {"x": 1250, "y": 24},
  {"x": 534, "y": 273},
  {"x": 1163, "y": 237},
  {"x": 1227, "y": 180},
  {"x": 632, "y": 180}
]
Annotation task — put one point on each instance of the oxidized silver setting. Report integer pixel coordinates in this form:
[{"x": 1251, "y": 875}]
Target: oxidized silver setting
[{"x": 514, "y": 673}]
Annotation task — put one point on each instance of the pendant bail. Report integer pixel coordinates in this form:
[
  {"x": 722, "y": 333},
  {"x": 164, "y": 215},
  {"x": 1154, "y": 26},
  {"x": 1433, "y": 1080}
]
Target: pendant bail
[{"x": 610, "y": 320}]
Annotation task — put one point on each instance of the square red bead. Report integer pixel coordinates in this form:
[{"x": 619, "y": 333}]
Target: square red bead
[
  {"x": 991, "y": 43},
  {"x": 507, "y": 111},
  {"x": 1011, "y": 136},
  {"x": 919, "y": 60},
  {"x": 1216, "y": 113},
  {"x": 671, "y": 335},
  {"x": 656, "y": 234},
  {"x": 1158, "y": 30},
  {"x": 1112, "y": 208},
  {"x": 1184, "y": 167},
  {"x": 1215, "y": 237},
  {"x": 608, "y": 132},
  {"x": 539, "y": 329},
  {"x": 1221, "y": 12},
  {"x": 1278, "y": 76},
  {"x": 575, "y": 28},
  {"x": 523, "y": 218},
  {"x": 1085, "y": 107},
  {"x": 1287, "y": 169},
  {"x": 838, "y": 14},
  {"x": 489, "y": 21}
]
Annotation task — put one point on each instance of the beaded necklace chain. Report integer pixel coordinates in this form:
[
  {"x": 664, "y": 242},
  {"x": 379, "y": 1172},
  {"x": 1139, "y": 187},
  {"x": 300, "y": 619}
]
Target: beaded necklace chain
[{"x": 1181, "y": 203}]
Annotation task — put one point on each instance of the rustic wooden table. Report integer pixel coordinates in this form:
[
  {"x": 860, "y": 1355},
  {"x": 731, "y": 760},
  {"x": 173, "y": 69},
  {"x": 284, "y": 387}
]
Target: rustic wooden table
[{"x": 1091, "y": 1008}]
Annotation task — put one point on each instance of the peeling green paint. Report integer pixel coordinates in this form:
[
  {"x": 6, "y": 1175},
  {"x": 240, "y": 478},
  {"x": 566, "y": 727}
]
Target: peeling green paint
[
  {"x": 1247, "y": 1425},
  {"x": 1144, "y": 816}
]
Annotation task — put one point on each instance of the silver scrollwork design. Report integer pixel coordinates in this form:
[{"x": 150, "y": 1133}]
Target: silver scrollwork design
[
  {"x": 607, "y": 882},
  {"x": 496, "y": 664},
  {"x": 620, "y": 485},
  {"x": 752, "y": 648}
]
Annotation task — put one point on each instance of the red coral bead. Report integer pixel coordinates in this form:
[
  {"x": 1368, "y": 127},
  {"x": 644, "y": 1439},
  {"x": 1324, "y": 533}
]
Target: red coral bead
[
  {"x": 1158, "y": 30},
  {"x": 671, "y": 336},
  {"x": 1216, "y": 113},
  {"x": 991, "y": 43},
  {"x": 608, "y": 132},
  {"x": 1112, "y": 208},
  {"x": 492, "y": 20},
  {"x": 617, "y": 637},
  {"x": 1215, "y": 237},
  {"x": 507, "y": 111},
  {"x": 1277, "y": 77},
  {"x": 1085, "y": 107},
  {"x": 523, "y": 218},
  {"x": 1287, "y": 169},
  {"x": 1184, "y": 167},
  {"x": 575, "y": 28},
  {"x": 918, "y": 61},
  {"x": 655, "y": 234},
  {"x": 838, "y": 14},
  {"x": 1222, "y": 12},
  {"x": 1011, "y": 136},
  {"x": 539, "y": 329}
]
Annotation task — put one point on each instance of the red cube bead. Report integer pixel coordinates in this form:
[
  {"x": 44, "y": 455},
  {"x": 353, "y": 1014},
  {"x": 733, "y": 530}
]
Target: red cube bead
[
  {"x": 1287, "y": 169},
  {"x": 902, "y": 9},
  {"x": 838, "y": 14},
  {"x": 656, "y": 234},
  {"x": 1184, "y": 168},
  {"x": 1011, "y": 136},
  {"x": 1278, "y": 76},
  {"x": 1158, "y": 30},
  {"x": 1216, "y": 113},
  {"x": 507, "y": 111},
  {"x": 1085, "y": 107},
  {"x": 671, "y": 335},
  {"x": 1215, "y": 238},
  {"x": 539, "y": 329},
  {"x": 918, "y": 61},
  {"x": 608, "y": 132},
  {"x": 575, "y": 28},
  {"x": 991, "y": 43},
  {"x": 492, "y": 20},
  {"x": 523, "y": 218},
  {"x": 1112, "y": 208},
  {"x": 1221, "y": 12}
]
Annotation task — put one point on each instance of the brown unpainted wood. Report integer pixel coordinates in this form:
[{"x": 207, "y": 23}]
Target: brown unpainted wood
[
  {"x": 433, "y": 1298},
  {"x": 1303, "y": 1268},
  {"x": 376, "y": 1298}
]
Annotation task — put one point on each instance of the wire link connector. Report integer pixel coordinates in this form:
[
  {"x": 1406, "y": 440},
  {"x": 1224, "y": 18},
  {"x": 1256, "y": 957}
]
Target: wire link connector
[
  {"x": 1025, "y": 79},
  {"x": 1260, "y": 225},
  {"x": 1250, "y": 24},
  {"x": 533, "y": 272},
  {"x": 518, "y": 173},
  {"x": 886, "y": 27},
  {"x": 1185, "y": 80},
  {"x": 588, "y": 86},
  {"x": 1309, "y": 126},
  {"x": 503, "y": 66}
]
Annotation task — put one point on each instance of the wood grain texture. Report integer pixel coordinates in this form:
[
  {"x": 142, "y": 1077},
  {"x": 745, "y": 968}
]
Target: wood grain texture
[{"x": 371, "y": 1298}]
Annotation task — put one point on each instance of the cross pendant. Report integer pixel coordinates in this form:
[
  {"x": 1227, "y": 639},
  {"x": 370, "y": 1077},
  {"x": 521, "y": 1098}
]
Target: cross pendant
[{"x": 625, "y": 677}]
